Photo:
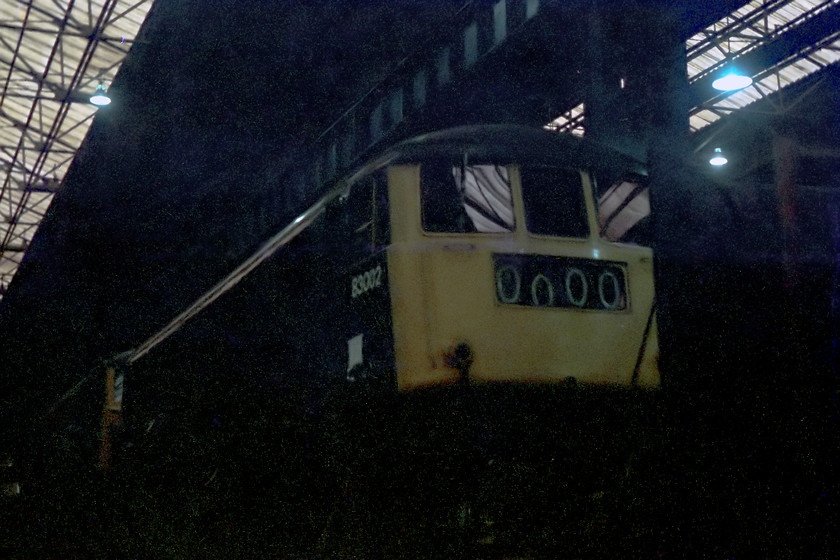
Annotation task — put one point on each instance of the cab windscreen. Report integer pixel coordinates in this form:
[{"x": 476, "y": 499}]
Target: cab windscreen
[
  {"x": 466, "y": 198},
  {"x": 554, "y": 203}
]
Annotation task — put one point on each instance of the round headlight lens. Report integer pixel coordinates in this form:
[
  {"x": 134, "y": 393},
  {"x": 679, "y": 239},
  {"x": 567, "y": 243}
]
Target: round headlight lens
[
  {"x": 508, "y": 284},
  {"x": 577, "y": 289}
]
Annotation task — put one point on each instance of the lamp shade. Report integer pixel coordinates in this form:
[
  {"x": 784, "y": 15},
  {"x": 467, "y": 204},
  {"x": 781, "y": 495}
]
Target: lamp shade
[
  {"x": 100, "y": 96},
  {"x": 718, "y": 158},
  {"x": 731, "y": 82}
]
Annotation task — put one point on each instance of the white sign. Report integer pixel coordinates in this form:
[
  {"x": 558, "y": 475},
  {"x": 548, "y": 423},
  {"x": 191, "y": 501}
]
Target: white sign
[{"x": 354, "y": 354}]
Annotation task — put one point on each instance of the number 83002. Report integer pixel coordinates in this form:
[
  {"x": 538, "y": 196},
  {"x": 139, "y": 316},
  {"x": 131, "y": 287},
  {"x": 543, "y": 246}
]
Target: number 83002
[{"x": 368, "y": 280}]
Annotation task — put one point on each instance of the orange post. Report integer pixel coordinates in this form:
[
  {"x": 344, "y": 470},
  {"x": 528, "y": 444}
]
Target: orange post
[{"x": 111, "y": 414}]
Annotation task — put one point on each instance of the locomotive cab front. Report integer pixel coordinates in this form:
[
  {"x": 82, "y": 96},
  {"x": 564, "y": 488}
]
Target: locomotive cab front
[{"x": 499, "y": 271}]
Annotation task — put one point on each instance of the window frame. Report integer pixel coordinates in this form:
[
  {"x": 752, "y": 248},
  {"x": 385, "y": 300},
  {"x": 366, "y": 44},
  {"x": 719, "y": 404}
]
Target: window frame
[{"x": 452, "y": 164}]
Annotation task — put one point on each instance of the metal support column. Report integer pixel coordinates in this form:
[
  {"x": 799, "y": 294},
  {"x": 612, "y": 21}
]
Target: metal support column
[{"x": 637, "y": 102}]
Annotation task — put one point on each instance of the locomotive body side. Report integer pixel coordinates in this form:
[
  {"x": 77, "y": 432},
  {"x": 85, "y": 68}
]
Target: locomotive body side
[{"x": 365, "y": 283}]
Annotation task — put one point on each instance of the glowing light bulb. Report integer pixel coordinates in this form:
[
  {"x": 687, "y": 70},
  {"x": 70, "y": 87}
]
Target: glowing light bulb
[
  {"x": 718, "y": 158},
  {"x": 100, "y": 96},
  {"x": 732, "y": 82}
]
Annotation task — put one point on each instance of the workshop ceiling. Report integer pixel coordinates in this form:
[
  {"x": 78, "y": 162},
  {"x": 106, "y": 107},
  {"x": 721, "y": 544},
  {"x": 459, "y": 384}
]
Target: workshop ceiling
[
  {"x": 53, "y": 55},
  {"x": 776, "y": 42}
]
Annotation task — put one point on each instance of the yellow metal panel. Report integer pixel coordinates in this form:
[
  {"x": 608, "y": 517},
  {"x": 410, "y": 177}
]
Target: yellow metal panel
[
  {"x": 410, "y": 323},
  {"x": 517, "y": 343},
  {"x": 443, "y": 295},
  {"x": 649, "y": 368}
]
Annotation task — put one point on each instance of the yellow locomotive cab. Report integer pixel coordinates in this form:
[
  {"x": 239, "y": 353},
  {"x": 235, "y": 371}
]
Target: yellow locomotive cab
[{"x": 507, "y": 300}]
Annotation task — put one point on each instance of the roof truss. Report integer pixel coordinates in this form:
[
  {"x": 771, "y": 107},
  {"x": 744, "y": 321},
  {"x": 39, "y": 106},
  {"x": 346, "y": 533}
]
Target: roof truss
[{"x": 53, "y": 54}]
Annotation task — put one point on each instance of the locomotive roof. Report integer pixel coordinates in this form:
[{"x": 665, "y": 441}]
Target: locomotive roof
[{"x": 512, "y": 143}]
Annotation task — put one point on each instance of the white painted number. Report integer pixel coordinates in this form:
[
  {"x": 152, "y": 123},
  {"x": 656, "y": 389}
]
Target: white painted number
[{"x": 365, "y": 282}]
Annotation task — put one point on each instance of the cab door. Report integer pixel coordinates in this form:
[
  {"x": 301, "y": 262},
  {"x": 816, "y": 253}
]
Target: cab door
[{"x": 368, "y": 327}]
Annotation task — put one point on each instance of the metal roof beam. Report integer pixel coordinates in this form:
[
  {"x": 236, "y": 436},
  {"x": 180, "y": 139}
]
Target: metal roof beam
[
  {"x": 68, "y": 97},
  {"x": 734, "y": 27},
  {"x": 50, "y": 187},
  {"x": 24, "y": 185},
  {"x": 14, "y": 233},
  {"x": 102, "y": 38},
  {"x": 86, "y": 57},
  {"x": 60, "y": 93},
  {"x": 19, "y": 248},
  {"x": 8, "y": 147},
  {"x": 6, "y": 219}
]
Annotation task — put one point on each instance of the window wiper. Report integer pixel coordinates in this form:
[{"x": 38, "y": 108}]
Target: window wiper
[{"x": 501, "y": 220}]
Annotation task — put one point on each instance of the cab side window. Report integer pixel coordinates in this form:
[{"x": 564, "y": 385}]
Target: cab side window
[
  {"x": 442, "y": 201},
  {"x": 381, "y": 214},
  {"x": 366, "y": 220},
  {"x": 624, "y": 210}
]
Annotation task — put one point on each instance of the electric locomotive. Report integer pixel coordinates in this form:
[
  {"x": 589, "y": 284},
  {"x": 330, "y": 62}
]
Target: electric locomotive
[
  {"x": 492, "y": 257},
  {"x": 464, "y": 306},
  {"x": 494, "y": 332},
  {"x": 495, "y": 254}
]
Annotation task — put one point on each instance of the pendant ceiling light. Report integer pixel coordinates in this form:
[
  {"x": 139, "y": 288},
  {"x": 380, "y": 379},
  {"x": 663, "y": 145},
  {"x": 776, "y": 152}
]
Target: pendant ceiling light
[
  {"x": 718, "y": 158},
  {"x": 100, "y": 96},
  {"x": 732, "y": 81}
]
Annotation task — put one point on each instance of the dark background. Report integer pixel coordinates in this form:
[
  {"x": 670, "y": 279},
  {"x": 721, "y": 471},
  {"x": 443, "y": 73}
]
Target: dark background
[{"x": 182, "y": 177}]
